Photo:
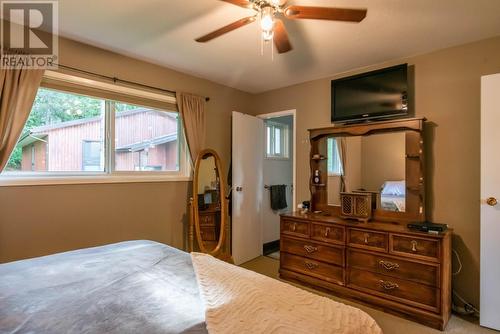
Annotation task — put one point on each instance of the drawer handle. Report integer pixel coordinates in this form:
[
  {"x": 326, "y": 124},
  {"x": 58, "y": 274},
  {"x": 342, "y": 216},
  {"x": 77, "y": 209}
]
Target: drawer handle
[
  {"x": 327, "y": 231},
  {"x": 366, "y": 238},
  {"x": 413, "y": 246},
  {"x": 388, "y": 285},
  {"x": 293, "y": 228},
  {"x": 388, "y": 265},
  {"x": 310, "y": 249},
  {"x": 311, "y": 265}
]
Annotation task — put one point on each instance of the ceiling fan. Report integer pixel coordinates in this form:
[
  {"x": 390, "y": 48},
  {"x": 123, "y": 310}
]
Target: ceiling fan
[{"x": 273, "y": 28}]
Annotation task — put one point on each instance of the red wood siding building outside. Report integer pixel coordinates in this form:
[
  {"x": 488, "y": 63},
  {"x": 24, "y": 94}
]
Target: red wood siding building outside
[{"x": 145, "y": 139}]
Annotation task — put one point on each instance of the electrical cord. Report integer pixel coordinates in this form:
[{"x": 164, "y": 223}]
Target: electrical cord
[
  {"x": 468, "y": 308},
  {"x": 459, "y": 263}
]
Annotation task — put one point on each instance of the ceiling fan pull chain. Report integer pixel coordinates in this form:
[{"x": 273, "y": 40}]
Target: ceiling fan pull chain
[
  {"x": 272, "y": 48},
  {"x": 261, "y": 47}
]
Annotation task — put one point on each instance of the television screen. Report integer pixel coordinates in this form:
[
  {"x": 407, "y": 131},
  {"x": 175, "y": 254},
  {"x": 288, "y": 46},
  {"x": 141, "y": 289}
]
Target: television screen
[{"x": 372, "y": 95}]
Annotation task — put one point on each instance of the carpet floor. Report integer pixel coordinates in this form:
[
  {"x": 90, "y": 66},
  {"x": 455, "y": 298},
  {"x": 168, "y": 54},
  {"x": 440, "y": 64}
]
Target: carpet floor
[{"x": 390, "y": 324}]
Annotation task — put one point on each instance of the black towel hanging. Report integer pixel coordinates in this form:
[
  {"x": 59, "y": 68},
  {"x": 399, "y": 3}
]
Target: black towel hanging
[{"x": 278, "y": 197}]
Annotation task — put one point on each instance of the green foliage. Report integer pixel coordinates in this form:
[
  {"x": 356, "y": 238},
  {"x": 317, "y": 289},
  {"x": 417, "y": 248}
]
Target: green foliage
[
  {"x": 53, "y": 107},
  {"x": 15, "y": 160},
  {"x": 119, "y": 107}
]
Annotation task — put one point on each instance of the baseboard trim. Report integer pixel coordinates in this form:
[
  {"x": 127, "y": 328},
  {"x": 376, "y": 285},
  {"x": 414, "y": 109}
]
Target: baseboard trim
[{"x": 271, "y": 247}]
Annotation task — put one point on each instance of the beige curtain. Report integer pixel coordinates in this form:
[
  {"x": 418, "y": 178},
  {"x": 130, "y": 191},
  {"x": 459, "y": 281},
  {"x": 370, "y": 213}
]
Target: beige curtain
[
  {"x": 18, "y": 89},
  {"x": 192, "y": 110},
  {"x": 342, "y": 147}
]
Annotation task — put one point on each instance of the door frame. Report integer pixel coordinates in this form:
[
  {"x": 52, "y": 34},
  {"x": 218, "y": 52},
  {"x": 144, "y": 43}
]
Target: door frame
[{"x": 293, "y": 113}]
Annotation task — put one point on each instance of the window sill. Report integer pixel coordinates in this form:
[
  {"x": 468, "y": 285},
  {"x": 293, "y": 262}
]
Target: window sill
[
  {"x": 18, "y": 181},
  {"x": 276, "y": 158}
]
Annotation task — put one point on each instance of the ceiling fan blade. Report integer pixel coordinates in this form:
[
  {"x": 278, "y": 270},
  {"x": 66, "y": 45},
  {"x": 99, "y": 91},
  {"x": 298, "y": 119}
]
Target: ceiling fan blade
[
  {"x": 241, "y": 3},
  {"x": 281, "y": 37},
  {"x": 226, "y": 29},
  {"x": 325, "y": 13}
]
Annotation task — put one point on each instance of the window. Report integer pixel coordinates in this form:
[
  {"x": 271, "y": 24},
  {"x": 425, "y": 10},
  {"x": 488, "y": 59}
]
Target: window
[
  {"x": 92, "y": 156},
  {"x": 72, "y": 134},
  {"x": 152, "y": 146},
  {"x": 277, "y": 140},
  {"x": 334, "y": 162}
]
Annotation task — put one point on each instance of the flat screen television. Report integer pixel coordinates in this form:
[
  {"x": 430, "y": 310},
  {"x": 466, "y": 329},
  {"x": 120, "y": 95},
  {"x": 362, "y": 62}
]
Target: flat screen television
[{"x": 371, "y": 96}]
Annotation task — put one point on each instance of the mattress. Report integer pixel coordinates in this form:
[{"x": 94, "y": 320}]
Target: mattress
[
  {"x": 393, "y": 196},
  {"x": 393, "y": 203},
  {"x": 129, "y": 287}
]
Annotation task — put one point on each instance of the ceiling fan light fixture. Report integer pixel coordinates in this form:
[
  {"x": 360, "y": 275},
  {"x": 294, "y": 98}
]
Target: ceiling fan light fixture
[
  {"x": 267, "y": 36},
  {"x": 267, "y": 19}
]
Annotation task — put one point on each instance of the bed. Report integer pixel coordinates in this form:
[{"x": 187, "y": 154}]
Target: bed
[
  {"x": 128, "y": 287},
  {"x": 147, "y": 287},
  {"x": 393, "y": 196}
]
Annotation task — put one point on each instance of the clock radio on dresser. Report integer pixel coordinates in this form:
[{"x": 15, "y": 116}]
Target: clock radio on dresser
[{"x": 378, "y": 261}]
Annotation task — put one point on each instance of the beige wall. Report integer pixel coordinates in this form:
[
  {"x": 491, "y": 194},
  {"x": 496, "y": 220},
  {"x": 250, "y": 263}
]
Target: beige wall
[
  {"x": 447, "y": 88},
  {"x": 206, "y": 175},
  {"x": 382, "y": 159},
  {"x": 47, "y": 219}
]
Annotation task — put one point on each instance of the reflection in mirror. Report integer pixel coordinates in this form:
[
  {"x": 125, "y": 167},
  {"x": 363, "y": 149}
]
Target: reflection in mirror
[
  {"x": 374, "y": 163},
  {"x": 209, "y": 202}
]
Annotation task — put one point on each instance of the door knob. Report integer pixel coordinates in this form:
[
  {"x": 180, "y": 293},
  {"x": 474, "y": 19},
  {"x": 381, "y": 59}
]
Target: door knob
[{"x": 491, "y": 201}]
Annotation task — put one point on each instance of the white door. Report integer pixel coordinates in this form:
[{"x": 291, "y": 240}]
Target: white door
[
  {"x": 248, "y": 158},
  {"x": 490, "y": 192}
]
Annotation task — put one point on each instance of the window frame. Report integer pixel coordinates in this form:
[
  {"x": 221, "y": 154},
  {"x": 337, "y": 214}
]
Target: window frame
[
  {"x": 109, "y": 175},
  {"x": 284, "y": 141}
]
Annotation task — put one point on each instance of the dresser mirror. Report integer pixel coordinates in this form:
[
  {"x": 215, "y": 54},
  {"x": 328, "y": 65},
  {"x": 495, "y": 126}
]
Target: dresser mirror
[
  {"x": 383, "y": 159},
  {"x": 374, "y": 163},
  {"x": 208, "y": 205}
]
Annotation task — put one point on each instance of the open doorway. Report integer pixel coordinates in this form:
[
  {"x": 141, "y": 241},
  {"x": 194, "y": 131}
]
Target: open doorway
[
  {"x": 253, "y": 222},
  {"x": 278, "y": 176}
]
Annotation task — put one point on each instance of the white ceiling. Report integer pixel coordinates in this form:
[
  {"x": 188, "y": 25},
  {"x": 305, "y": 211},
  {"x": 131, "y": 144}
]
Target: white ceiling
[{"x": 163, "y": 32}]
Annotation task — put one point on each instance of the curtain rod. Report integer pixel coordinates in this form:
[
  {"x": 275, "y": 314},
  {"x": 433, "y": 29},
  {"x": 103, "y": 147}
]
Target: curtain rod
[{"x": 117, "y": 80}]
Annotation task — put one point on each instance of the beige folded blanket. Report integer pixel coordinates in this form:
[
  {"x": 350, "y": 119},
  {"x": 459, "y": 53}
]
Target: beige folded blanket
[{"x": 241, "y": 301}]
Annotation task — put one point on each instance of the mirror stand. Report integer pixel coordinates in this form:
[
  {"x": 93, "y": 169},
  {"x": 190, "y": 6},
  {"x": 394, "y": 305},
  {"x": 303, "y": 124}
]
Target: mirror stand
[{"x": 208, "y": 230}]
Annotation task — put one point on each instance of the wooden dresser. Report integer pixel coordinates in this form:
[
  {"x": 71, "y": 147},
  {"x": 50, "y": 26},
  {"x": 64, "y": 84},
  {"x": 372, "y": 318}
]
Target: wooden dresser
[
  {"x": 209, "y": 224},
  {"x": 383, "y": 264}
]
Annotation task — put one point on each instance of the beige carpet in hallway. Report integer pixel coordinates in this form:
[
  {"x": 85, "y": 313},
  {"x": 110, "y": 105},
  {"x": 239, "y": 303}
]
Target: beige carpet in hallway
[{"x": 390, "y": 324}]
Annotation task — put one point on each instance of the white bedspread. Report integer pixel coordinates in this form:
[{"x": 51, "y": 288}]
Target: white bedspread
[{"x": 241, "y": 301}]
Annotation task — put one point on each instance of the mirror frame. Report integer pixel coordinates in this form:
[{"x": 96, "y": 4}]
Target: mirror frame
[
  {"x": 223, "y": 202},
  {"x": 415, "y": 166}
]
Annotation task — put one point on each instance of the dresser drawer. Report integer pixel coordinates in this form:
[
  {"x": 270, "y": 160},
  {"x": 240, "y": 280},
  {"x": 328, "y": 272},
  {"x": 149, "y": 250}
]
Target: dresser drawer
[
  {"x": 420, "y": 295},
  {"x": 321, "y": 270},
  {"x": 207, "y": 219},
  {"x": 420, "y": 248},
  {"x": 334, "y": 255},
  {"x": 395, "y": 267},
  {"x": 208, "y": 233},
  {"x": 367, "y": 239},
  {"x": 294, "y": 227},
  {"x": 328, "y": 233}
]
